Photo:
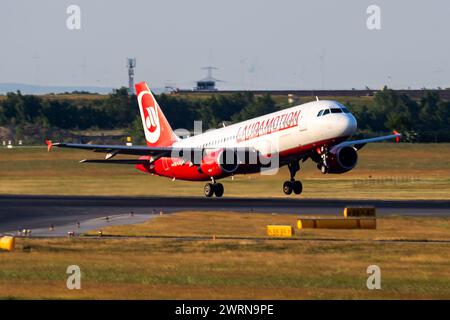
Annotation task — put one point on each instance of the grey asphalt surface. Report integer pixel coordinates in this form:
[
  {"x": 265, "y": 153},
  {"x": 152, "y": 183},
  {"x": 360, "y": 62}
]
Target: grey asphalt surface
[{"x": 42, "y": 211}]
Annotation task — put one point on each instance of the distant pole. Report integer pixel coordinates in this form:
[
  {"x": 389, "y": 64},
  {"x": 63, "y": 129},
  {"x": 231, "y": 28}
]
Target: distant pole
[
  {"x": 83, "y": 67},
  {"x": 322, "y": 71},
  {"x": 209, "y": 70},
  {"x": 131, "y": 64},
  {"x": 243, "y": 60},
  {"x": 36, "y": 68}
]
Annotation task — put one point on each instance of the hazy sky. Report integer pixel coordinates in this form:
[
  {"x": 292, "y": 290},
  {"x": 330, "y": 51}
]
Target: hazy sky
[{"x": 283, "y": 44}]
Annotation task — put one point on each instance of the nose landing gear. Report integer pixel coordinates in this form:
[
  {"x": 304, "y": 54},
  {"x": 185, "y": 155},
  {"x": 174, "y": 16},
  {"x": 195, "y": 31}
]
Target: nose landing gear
[
  {"x": 323, "y": 166},
  {"x": 293, "y": 185}
]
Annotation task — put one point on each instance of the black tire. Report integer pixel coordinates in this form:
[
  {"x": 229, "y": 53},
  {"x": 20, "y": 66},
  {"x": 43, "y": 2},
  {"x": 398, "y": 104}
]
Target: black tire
[
  {"x": 297, "y": 187},
  {"x": 218, "y": 190},
  {"x": 287, "y": 187},
  {"x": 208, "y": 190}
]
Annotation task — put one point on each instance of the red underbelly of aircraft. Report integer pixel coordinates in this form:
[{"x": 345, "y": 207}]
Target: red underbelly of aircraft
[
  {"x": 175, "y": 168},
  {"x": 181, "y": 170}
]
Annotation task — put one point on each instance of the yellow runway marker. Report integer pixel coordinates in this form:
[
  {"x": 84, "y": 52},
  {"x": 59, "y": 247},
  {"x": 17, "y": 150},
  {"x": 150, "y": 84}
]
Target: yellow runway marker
[
  {"x": 359, "y": 212},
  {"x": 337, "y": 223},
  {"x": 280, "y": 231},
  {"x": 7, "y": 243}
]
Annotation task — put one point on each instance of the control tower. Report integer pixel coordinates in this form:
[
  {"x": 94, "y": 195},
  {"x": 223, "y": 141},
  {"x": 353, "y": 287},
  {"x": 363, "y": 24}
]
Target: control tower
[{"x": 209, "y": 82}]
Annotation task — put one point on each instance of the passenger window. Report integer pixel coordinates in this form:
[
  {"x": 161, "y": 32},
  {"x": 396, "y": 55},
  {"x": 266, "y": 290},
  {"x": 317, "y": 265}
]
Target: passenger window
[
  {"x": 336, "y": 110},
  {"x": 326, "y": 111}
]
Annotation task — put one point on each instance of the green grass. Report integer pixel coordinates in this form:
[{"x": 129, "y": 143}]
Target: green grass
[
  {"x": 384, "y": 171},
  {"x": 253, "y": 225},
  {"x": 137, "y": 268}
]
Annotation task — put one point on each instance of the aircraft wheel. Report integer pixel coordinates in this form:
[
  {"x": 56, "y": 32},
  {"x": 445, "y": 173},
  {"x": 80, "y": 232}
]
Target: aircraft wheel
[
  {"x": 324, "y": 169},
  {"x": 208, "y": 190},
  {"x": 287, "y": 187},
  {"x": 218, "y": 190},
  {"x": 297, "y": 187}
]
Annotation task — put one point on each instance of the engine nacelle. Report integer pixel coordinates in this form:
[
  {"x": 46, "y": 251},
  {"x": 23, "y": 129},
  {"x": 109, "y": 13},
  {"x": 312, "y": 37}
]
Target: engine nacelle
[
  {"x": 220, "y": 162},
  {"x": 341, "y": 160}
]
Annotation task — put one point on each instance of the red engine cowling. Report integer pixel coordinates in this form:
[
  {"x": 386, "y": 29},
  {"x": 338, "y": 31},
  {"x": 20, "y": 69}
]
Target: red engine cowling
[
  {"x": 341, "y": 160},
  {"x": 220, "y": 162}
]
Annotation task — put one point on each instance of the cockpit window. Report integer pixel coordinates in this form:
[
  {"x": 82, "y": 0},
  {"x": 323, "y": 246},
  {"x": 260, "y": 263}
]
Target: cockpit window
[
  {"x": 336, "y": 110},
  {"x": 326, "y": 111},
  {"x": 345, "y": 110},
  {"x": 320, "y": 113}
]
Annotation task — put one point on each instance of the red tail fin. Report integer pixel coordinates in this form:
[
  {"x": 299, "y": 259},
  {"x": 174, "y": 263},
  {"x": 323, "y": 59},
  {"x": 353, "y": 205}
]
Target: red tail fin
[{"x": 157, "y": 130}]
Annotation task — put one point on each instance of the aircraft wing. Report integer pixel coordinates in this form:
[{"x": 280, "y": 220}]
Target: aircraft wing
[
  {"x": 120, "y": 161},
  {"x": 194, "y": 155},
  {"x": 358, "y": 144},
  {"x": 114, "y": 149}
]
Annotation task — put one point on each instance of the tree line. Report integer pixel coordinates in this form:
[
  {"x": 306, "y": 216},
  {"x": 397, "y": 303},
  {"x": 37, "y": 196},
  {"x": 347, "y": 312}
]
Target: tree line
[{"x": 424, "y": 120}]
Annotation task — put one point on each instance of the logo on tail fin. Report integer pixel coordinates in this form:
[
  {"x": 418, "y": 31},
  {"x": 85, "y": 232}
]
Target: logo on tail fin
[
  {"x": 149, "y": 114},
  {"x": 151, "y": 119}
]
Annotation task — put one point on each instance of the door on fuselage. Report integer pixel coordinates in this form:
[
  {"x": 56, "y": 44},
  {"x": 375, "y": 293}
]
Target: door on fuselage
[
  {"x": 166, "y": 163},
  {"x": 303, "y": 136},
  {"x": 303, "y": 120}
]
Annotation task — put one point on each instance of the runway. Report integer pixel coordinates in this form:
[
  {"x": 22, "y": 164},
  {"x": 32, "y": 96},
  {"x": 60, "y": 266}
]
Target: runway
[{"x": 42, "y": 211}]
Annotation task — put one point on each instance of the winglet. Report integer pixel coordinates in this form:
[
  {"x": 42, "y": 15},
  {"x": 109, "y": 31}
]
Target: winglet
[
  {"x": 49, "y": 144},
  {"x": 397, "y": 139}
]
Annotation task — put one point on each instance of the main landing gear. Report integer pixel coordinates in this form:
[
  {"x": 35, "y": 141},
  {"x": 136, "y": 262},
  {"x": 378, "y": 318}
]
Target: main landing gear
[
  {"x": 214, "y": 188},
  {"x": 293, "y": 185}
]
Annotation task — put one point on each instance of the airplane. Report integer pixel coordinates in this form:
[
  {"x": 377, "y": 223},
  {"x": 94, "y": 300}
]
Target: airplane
[{"x": 317, "y": 130}]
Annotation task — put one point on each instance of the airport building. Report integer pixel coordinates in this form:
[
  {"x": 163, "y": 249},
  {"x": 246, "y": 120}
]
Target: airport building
[{"x": 208, "y": 83}]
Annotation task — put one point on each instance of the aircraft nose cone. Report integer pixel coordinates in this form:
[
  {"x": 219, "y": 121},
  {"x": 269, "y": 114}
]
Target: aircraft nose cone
[{"x": 348, "y": 125}]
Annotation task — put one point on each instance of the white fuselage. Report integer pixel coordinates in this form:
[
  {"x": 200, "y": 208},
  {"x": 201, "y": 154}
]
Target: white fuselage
[{"x": 282, "y": 130}]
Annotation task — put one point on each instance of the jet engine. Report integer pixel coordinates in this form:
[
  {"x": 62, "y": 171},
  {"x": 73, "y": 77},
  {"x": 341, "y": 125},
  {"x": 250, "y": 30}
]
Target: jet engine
[
  {"x": 220, "y": 162},
  {"x": 341, "y": 159}
]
